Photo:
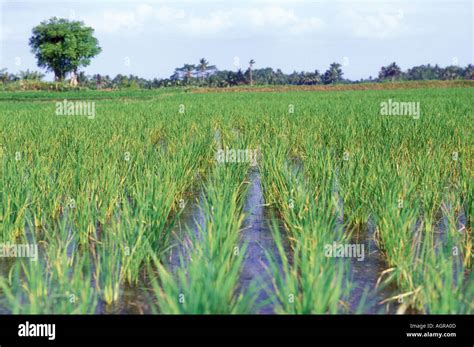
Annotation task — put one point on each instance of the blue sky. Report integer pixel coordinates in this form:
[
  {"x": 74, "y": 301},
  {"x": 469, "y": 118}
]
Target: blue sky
[{"x": 151, "y": 38}]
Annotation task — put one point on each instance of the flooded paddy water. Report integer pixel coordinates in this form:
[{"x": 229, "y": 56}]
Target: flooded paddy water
[
  {"x": 257, "y": 234},
  {"x": 367, "y": 291},
  {"x": 366, "y": 294},
  {"x": 191, "y": 220},
  {"x": 365, "y": 274}
]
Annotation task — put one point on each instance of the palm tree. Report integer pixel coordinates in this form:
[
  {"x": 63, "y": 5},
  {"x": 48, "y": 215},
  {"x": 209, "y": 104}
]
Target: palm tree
[
  {"x": 6, "y": 77},
  {"x": 251, "y": 63},
  {"x": 187, "y": 71},
  {"x": 31, "y": 75},
  {"x": 204, "y": 67}
]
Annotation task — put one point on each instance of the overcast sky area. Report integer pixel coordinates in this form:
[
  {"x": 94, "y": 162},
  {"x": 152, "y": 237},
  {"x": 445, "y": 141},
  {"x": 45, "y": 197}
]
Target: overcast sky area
[{"x": 150, "y": 39}]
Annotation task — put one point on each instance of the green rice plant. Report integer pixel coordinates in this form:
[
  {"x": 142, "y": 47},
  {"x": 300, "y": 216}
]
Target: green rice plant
[
  {"x": 108, "y": 275},
  {"x": 58, "y": 282},
  {"x": 310, "y": 284},
  {"x": 32, "y": 289},
  {"x": 100, "y": 218},
  {"x": 207, "y": 281},
  {"x": 354, "y": 190},
  {"x": 400, "y": 235},
  {"x": 314, "y": 282},
  {"x": 448, "y": 285}
]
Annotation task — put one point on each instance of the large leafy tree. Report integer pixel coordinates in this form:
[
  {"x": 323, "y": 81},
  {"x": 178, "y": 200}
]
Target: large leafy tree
[
  {"x": 234, "y": 78},
  {"x": 469, "y": 72},
  {"x": 333, "y": 74},
  {"x": 424, "y": 72},
  {"x": 311, "y": 78},
  {"x": 452, "y": 72},
  {"x": 62, "y": 46},
  {"x": 391, "y": 71}
]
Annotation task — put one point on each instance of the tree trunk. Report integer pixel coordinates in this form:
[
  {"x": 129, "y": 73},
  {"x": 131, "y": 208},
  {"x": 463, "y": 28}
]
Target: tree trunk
[{"x": 58, "y": 76}]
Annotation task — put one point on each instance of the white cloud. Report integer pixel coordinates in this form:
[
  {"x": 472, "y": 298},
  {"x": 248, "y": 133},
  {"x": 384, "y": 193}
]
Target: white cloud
[
  {"x": 279, "y": 17},
  {"x": 271, "y": 16},
  {"x": 166, "y": 13},
  {"x": 115, "y": 21},
  {"x": 376, "y": 22},
  {"x": 307, "y": 25},
  {"x": 216, "y": 22},
  {"x": 176, "y": 21}
]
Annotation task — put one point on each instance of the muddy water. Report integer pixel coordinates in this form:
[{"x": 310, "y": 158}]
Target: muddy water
[
  {"x": 365, "y": 295},
  {"x": 257, "y": 235},
  {"x": 132, "y": 300},
  {"x": 191, "y": 218},
  {"x": 136, "y": 299},
  {"x": 364, "y": 275},
  {"x": 442, "y": 227},
  {"x": 448, "y": 237}
]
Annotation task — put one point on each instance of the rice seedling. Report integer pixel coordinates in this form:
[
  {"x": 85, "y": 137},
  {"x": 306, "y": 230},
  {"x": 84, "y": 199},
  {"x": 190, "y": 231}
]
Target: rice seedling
[
  {"x": 207, "y": 280},
  {"x": 314, "y": 282},
  {"x": 57, "y": 282},
  {"x": 100, "y": 197}
]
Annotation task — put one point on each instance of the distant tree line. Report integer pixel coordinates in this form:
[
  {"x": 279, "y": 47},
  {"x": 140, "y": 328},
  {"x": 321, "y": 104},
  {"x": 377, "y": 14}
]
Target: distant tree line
[
  {"x": 64, "y": 47},
  {"x": 204, "y": 74}
]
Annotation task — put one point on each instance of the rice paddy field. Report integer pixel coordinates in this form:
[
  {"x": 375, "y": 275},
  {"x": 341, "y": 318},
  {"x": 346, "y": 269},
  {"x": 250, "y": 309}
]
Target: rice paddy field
[{"x": 177, "y": 202}]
